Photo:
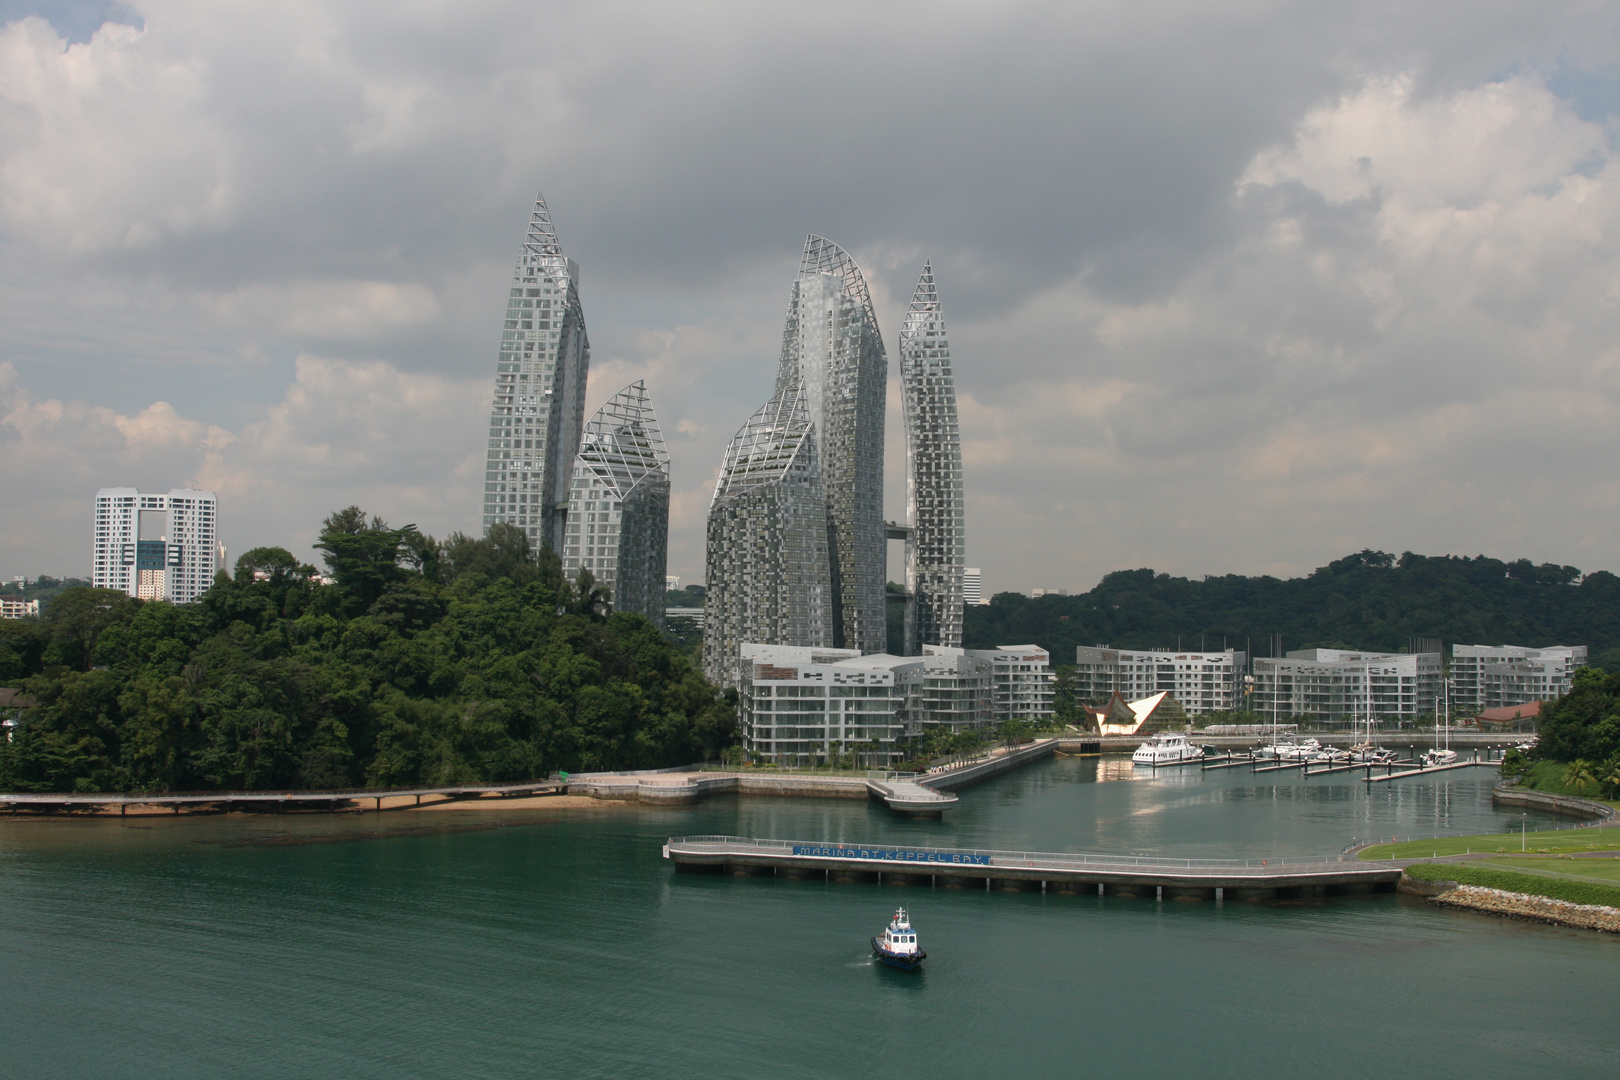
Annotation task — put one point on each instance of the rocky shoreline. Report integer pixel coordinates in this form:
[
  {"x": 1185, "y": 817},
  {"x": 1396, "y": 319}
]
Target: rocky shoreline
[{"x": 1535, "y": 908}]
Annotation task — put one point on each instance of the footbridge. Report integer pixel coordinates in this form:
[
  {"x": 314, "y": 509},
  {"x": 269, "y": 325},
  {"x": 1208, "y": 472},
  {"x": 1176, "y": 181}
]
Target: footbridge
[{"x": 1021, "y": 871}]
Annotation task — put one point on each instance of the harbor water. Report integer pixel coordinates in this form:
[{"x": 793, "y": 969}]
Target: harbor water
[{"x": 559, "y": 943}]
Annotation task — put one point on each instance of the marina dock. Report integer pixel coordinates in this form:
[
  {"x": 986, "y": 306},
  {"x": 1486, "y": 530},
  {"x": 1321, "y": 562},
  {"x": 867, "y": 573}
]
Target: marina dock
[
  {"x": 1028, "y": 871},
  {"x": 1421, "y": 770}
]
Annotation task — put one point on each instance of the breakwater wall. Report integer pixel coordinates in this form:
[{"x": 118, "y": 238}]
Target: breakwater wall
[
  {"x": 980, "y": 771},
  {"x": 1508, "y": 793}
]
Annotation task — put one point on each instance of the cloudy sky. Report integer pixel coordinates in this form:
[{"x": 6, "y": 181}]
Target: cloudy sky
[{"x": 1234, "y": 287}]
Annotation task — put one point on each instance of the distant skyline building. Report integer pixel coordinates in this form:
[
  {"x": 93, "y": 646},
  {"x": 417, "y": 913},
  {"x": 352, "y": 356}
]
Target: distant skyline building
[
  {"x": 832, "y": 349},
  {"x": 935, "y": 508},
  {"x": 972, "y": 585},
  {"x": 538, "y": 412},
  {"x": 156, "y": 547},
  {"x": 617, "y": 520},
  {"x": 767, "y": 574}
]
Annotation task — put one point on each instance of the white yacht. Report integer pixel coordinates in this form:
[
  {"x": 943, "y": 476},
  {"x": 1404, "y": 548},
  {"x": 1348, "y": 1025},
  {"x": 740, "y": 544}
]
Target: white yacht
[
  {"x": 1290, "y": 749},
  {"x": 1166, "y": 748},
  {"x": 1439, "y": 756}
]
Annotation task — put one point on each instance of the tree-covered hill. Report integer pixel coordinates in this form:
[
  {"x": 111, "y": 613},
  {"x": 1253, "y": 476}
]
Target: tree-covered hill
[
  {"x": 422, "y": 662},
  {"x": 1370, "y": 600}
]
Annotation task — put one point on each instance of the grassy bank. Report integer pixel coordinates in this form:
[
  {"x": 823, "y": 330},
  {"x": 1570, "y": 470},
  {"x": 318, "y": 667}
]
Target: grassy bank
[
  {"x": 1574, "y": 892},
  {"x": 1604, "y": 838},
  {"x": 1607, "y": 869}
]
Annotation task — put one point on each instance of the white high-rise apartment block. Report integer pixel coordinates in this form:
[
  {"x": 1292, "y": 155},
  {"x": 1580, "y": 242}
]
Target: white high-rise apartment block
[
  {"x": 972, "y": 585},
  {"x": 156, "y": 547},
  {"x": 1496, "y": 676},
  {"x": 1342, "y": 683},
  {"x": 1201, "y": 682},
  {"x": 538, "y": 413},
  {"x": 617, "y": 525}
]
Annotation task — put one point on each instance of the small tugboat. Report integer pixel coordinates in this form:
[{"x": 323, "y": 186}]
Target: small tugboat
[{"x": 897, "y": 947}]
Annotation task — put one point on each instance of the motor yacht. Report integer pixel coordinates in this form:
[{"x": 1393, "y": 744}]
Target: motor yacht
[{"x": 1166, "y": 748}]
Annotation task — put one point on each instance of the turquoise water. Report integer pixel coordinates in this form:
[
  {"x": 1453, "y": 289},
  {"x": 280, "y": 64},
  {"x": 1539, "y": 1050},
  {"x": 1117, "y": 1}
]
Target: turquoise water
[{"x": 560, "y": 944}]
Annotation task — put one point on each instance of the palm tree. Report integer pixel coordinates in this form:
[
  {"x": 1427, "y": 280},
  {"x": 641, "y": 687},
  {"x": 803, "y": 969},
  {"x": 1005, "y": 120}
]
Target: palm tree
[
  {"x": 1578, "y": 774},
  {"x": 1609, "y": 777}
]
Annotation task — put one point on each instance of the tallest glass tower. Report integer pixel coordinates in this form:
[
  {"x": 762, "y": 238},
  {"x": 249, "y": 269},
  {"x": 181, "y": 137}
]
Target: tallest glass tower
[
  {"x": 832, "y": 350},
  {"x": 538, "y": 411}
]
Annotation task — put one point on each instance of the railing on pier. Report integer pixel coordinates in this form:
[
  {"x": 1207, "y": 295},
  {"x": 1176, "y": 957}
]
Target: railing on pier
[{"x": 755, "y": 846}]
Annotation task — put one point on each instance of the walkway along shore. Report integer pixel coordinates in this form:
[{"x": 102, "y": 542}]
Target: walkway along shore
[{"x": 907, "y": 793}]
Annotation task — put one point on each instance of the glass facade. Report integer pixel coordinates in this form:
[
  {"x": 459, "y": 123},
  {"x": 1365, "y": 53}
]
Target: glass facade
[
  {"x": 934, "y": 500},
  {"x": 539, "y": 405},
  {"x": 832, "y": 350},
  {"x": 767, "y": 568},
  {"x": 617, "y": 521}
]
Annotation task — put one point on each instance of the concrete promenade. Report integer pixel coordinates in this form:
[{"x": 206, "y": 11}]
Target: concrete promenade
[
  {"x": 908, "y": 793},
  {"x": 1018, "y": 871}
]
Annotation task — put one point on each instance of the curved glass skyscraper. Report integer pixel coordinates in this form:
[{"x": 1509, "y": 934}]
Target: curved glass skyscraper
[
  {"x": 934, "y": 501},
  {"x": 539, "y": 407},
  {"x": 831, "y": 347},
  {"x": 617, "y": 524},
  {"x": 767, "y": 573}
]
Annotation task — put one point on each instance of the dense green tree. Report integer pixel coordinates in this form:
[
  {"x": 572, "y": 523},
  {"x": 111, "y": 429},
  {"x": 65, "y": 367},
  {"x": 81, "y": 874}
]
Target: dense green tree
[
  {"x": 422, "y": 663},
  {"x": 1369, "y": 600},
  {"x": 78, "y": 617},
  {"x": 1583, "y": 725}
]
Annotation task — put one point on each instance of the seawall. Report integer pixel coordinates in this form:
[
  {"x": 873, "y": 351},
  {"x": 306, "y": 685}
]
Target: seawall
[{"x": 1508, "y": 793}]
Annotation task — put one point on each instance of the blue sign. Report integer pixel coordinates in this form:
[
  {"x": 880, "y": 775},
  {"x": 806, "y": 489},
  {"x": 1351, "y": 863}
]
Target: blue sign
[{"x": 892, "y": 855}]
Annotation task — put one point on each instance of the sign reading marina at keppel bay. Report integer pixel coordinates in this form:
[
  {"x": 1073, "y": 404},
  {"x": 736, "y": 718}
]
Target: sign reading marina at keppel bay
[{"x": 891, "y": 854}]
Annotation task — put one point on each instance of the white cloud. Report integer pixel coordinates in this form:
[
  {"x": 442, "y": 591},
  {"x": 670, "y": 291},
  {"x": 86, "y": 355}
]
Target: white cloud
[{"x": 396, "y": 443}]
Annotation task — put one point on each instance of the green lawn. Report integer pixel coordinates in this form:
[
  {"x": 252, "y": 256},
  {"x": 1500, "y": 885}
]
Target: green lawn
[
  {"x": 1605, "y": 838},
  {"x": 1607, "y": 869},
  {"x": 1576, "y": 892}
]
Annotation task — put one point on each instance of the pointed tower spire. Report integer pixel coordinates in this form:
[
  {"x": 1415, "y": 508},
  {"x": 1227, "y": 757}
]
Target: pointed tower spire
[
  {"x": 934, "y": 500},
  {"x": 542, "y": 237}
]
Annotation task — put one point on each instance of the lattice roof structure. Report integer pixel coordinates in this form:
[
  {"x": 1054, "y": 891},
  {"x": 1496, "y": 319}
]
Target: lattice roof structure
[{"x": 622, "y": 443}]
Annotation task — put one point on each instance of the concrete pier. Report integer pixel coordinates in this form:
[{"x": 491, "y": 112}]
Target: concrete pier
[{"x": 1020, "y": 871}]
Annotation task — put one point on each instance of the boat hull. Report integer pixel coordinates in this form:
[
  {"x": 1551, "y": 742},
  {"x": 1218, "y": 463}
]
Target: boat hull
[{"x": 898, "y": 961}]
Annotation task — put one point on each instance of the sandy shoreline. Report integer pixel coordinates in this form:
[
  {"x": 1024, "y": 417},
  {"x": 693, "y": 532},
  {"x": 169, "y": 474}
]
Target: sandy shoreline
[{"x": 360, "y": 804}]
